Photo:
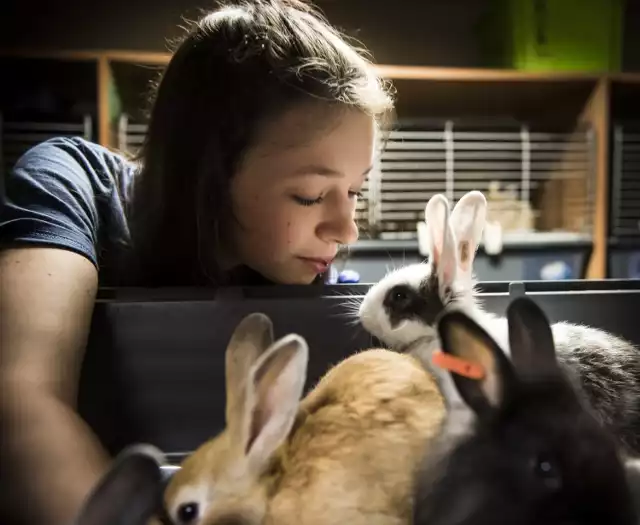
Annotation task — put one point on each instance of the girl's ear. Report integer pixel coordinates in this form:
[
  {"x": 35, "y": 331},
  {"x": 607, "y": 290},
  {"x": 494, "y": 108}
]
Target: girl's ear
[{"x": 632, "y": 472}]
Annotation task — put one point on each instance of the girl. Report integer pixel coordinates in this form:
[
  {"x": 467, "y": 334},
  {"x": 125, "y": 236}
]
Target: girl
[{"x": 261, "y": 135}]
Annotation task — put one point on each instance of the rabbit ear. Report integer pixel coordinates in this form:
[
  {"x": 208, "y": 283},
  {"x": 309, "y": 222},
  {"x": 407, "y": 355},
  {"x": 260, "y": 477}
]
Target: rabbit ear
[
  {"x": 531, "y": 341},
  {"x": 252, "y": 336},
  {"x": 274, "y": 389},
  {"x": 130, "y": 493},
  {"x": 442, "y": 241},
  {"x": 464, "y": 338},
  {"x": 632, "y": 471},
  {"x": 467, "y": 222}
]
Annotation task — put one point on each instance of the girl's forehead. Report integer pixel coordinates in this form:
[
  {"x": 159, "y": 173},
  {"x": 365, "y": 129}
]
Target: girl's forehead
[
  {"x": 312, "y": 127},
  {"x": 336, "y": 143}
]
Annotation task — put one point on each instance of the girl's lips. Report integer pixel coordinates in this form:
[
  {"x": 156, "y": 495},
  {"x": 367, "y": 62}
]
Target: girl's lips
[{"x": 319, "y": 265}]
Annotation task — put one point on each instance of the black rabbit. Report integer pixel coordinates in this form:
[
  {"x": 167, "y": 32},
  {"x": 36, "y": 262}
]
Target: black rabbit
[{"x": 533, "y": 453}]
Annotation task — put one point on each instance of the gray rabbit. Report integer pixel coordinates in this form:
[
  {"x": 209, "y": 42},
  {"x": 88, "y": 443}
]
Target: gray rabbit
[{"x": 131, "y": 492}]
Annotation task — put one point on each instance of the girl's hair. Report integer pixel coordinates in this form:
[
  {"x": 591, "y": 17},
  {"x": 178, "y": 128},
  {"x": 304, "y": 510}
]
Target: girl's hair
[{"x": 236, "y": 67}]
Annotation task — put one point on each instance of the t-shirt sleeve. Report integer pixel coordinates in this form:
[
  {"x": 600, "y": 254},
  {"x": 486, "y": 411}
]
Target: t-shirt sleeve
[{"x": 51, "y": 195}]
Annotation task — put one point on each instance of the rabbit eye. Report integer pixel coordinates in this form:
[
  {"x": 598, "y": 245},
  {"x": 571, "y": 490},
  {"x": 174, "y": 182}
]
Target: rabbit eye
[
  {"x": 399, "y": 297},
  {"x": 187, "y": 513},
  {"x": 547, "y": 471}
]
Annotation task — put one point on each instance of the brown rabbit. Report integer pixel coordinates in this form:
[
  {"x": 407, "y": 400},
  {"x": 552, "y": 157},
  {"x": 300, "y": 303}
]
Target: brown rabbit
[{"x": 347, "y": 453}]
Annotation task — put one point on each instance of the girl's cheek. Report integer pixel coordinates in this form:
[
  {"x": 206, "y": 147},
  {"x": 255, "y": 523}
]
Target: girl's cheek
[{"x": 296, "y": 230}]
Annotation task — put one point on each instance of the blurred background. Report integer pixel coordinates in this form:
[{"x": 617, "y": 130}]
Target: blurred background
[{"x": 533, "y": 102}]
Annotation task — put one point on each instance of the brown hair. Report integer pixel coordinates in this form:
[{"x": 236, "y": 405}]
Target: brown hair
[{"x": 236, "y": 67}]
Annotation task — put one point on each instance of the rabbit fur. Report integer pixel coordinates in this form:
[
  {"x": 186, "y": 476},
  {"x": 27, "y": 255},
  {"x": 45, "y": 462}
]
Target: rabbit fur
[
  {"x": 533, "y": 454},
  {"x": 130, "y": 492},
  {"x": 346, "y": 453},
  {"x": 401, "y": 309}
]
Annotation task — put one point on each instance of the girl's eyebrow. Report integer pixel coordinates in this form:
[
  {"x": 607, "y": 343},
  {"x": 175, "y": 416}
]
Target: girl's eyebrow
[{"x": 316, "y": 169}]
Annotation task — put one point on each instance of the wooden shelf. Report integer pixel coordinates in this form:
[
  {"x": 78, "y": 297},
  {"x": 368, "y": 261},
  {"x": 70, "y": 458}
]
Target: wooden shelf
[
  {"x": 392, "y": 72},
  {"x": 137, "y": 57},
  {"x": 625, "y": 98},
  {"x": 558, "y": 98},
  {"x": 625, "y": 78},
  {"x": 51, "y": 55},
  {"x": 478, "y": 75},
  {"x": 142, "y": 57},
  {"x": 49, "y": 86}
]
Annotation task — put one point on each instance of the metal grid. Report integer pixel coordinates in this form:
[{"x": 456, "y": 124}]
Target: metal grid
[
  {"x": 534, "y": 180},
  {"x": 130, "y": 134},
  {"x": 625, "y": 189},
  {"x": 16, "y": 137}
]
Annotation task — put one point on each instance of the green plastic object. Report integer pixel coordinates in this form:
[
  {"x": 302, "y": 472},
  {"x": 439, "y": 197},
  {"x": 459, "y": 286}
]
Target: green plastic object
[
  {"x": 115, "y": 102},
  {"x": 554, "y": 35}
]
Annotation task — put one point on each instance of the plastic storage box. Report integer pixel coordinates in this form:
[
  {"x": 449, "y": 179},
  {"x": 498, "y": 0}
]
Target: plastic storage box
[{"x": 547, "y": 35}]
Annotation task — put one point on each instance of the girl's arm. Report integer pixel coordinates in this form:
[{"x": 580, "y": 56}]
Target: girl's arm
[{"x": 49, "y": 458}]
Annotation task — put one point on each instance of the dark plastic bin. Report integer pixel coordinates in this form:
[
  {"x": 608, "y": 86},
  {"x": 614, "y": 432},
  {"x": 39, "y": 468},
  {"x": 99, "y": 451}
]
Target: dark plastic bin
[{"x": 154, "y": 369}]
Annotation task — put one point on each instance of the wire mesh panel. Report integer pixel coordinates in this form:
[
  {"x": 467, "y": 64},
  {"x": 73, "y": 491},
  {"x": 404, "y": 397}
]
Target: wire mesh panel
[
  {"x": 363, "y": 210},
  {"x": 131, "y": 134},
  {"x": 534, "y": 180},
  {"x": 17, "y": 136},
  {"x": 625, "y": 190}
]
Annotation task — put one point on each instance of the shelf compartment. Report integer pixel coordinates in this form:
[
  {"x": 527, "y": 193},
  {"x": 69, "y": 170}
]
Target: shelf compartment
[{"x": 536, "y": 180}]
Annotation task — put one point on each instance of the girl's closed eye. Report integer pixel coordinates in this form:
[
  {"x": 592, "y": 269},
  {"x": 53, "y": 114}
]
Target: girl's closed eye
[
  {"x": 304, "y": 201},
  {"x": 307, "y": 201}
]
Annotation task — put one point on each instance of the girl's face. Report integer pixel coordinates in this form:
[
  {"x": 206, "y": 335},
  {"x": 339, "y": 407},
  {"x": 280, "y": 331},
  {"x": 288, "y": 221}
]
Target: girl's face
[{"x": 295, "y": 193}]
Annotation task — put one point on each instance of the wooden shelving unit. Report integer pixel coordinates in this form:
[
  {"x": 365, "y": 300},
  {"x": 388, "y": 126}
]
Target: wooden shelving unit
[{"x": 121, "y": 79}]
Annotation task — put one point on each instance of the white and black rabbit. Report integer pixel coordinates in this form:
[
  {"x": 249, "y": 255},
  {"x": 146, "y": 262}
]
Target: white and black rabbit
[
  {"x": 533, "y": 454},
  {"x": 403, "y": 306},
  {"x": 401, "y": 310}
]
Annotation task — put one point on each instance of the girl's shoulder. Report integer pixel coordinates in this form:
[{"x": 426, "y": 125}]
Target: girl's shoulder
[
  {"x": 70, "y": 193},
  {"x": 82, "y": 162}
]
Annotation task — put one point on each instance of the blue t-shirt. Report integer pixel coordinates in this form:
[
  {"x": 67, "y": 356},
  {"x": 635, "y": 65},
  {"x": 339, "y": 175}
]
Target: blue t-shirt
[{"x": 72, "y": 194}]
